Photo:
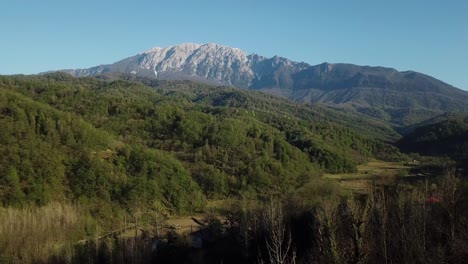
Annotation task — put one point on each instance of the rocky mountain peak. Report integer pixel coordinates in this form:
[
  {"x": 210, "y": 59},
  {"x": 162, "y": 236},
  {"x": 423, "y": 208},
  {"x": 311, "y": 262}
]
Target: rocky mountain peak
[{"x": 376, "y": 91}]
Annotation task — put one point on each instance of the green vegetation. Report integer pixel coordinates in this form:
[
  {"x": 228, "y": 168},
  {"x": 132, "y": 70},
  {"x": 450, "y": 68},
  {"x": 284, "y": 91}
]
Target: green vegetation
[
  {"x": 139, "y": 149},
  {"x": 445, "y": 138},
  {"x": 49, "y": 155},
  {"x": 126, "y": 144}
]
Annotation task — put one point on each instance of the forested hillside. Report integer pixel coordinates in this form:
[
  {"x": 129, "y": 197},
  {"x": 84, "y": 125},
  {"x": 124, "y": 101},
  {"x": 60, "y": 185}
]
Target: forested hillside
[
  {"x": 49, "y": 155},
  {"x": 168, "y": 147},
  {"x": 98, "y": 156},
  {"x": 448, "y": 137}
]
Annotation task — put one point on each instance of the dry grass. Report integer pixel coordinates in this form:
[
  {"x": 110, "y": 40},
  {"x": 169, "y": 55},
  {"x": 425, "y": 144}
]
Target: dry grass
[
  {"x": 34, "y": 234},
  {"x": 373, "y": 170}
]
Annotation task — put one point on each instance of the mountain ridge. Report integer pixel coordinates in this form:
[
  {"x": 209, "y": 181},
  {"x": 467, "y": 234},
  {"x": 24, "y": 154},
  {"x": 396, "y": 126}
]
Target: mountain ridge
[{"x": 399, "y": 97}]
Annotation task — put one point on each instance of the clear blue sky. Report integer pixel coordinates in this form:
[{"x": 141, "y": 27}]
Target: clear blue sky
[{"x": 429, "y": 36}]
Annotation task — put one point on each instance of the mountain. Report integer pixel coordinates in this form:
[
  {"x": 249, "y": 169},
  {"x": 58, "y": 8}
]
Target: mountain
[
  {"x": 431, "y": 121},
  {"x": 448, "y": 137},
  {"x": 211, "y": 63},
  {"x": 400, "y": 98}
]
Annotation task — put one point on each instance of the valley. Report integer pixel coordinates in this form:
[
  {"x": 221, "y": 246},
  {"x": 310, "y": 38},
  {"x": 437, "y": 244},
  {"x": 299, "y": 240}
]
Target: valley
[
  {"x": 374, "y": 170},
  {"x": 138, "y": 169},
  {"x": 233, "y": 132}
]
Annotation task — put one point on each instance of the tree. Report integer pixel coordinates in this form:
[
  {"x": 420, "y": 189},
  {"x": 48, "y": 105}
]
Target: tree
[{"x": 279, "y": 242}]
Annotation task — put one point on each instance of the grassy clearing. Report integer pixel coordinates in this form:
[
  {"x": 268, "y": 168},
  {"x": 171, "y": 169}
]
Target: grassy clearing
[{"x": 373, "y": 170}]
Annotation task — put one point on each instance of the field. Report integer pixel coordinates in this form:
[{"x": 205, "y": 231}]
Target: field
[{"x": 374, "y": 170}]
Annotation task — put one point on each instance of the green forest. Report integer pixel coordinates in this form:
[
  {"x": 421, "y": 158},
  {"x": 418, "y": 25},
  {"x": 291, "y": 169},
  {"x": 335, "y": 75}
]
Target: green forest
[
  {"x": 94, "y": 151},
  {"x": 123, "y": 144},
  {"x": 448, "y": 137}
]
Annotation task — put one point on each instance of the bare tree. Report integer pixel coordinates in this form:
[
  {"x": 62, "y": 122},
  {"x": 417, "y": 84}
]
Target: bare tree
[
  {"x": 279, "y": 242},
  {"x": 329, "y": 231}
]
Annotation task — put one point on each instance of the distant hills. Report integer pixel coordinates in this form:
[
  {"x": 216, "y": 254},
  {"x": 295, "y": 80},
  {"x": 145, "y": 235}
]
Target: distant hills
[
  {"x": 167, "y": 145},
  {"x": 399, "y": 98},
  {"x": 442, "y": 136}
]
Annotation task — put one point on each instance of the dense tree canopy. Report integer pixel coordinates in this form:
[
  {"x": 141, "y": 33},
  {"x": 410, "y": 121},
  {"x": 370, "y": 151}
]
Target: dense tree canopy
[
  {"x": 166, "y": 146},
  {"x": 448, "y": 137}
]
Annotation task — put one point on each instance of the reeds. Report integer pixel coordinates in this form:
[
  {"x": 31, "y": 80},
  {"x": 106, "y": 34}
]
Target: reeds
[{"x": 34, "y": 234}]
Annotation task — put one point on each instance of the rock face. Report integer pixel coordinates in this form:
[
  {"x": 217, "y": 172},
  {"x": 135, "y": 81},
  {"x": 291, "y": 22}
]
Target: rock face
[
  {"x": 212, "y": 63},
  {"x": 385, "y": 93}
]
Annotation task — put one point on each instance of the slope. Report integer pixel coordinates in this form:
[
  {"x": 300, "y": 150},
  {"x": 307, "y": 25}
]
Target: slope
[
  {"x": 398, "y": 98},
  {"x": 401, "y": 98},
  {"x": 445, "y": 138},
  {"x": 230, "y": 142},
  {"x": 48, "y": 155}
]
